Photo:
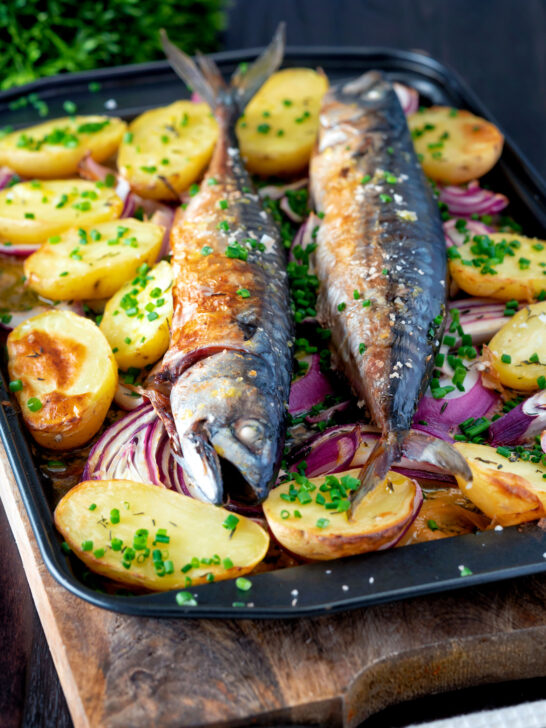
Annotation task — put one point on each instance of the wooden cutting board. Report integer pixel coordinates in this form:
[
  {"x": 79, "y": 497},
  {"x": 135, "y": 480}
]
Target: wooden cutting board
[{"x": 119, "y": 671}]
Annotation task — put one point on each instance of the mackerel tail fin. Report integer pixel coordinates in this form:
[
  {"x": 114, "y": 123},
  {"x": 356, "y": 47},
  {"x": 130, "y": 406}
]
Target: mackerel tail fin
[
  {"x": 205, "y": 79},
  {"x": 415, "y": 446}
]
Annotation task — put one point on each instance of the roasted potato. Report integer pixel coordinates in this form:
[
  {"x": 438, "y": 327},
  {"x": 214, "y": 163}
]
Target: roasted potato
[
  {"x": 31, "y": 212},
  {"x": 65, "y": 377},
  {"x": 501, "y": 266},
  {"x": 518, "y": 351},
  {"x": 55, "y": 148},
  {"x": 93, "y": 262},
  {"x": 156, "y": 538},
  {"x": 137, "y": 318},
  {"x": 302, "y": 523},
  {"x": 167, "y": 149},
  {"x": 508, "y": 492},
  {"x": 279, "y": 126},
  {"x": 454, "y": 146}
]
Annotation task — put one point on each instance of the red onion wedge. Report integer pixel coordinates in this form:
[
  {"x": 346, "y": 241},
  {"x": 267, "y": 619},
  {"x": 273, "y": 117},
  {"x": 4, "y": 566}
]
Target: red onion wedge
[
  {"x": 277, "y": 192},
  {"x": 328, "y": 452},
  {"x": 89, "y": 169},
  {"x": 21, "y": 250},
  {"x": 408, "y": 97},
  {"x": 7, "y": 177},
  {"x": 480, "y": 318},
  {"x": 521, "y": 424},
  {"x": 444, "y": 415},
  {"x": 471, "y": 200},
  {"x": 309, "y": 390},
  {"x": 136, "y": 448},
  {"x": 126, "y": 397},
  {"x": 164, "y": 217},
  {"x": 458, "y": 237}
]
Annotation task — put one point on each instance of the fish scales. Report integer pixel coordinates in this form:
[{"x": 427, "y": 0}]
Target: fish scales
[{"x": 381, "y": 236}]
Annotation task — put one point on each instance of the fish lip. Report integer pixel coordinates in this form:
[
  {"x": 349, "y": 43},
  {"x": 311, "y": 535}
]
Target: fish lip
[{"x": 197, "y": 449}]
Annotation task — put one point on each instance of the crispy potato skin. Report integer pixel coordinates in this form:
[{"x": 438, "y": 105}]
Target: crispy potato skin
[
  {"x": 174, "y": 143},
  {"x": 464, "y": 146},
  {"x": 510, "y": 281},
  {"x": 51, "y": 161},
  {"x": 520, "y": 338},
  {"x": 149, "y": 340},
  {"x": 513, "y": 494},
  {"x": 383, "y": 515},
  {"x": 31, "y": 212},
  {"x": 288, "y": 103},
  {"x": 194, "y": 529},
  {"x": 100, "y": 268},
  {"x": 54, "y": 355}
]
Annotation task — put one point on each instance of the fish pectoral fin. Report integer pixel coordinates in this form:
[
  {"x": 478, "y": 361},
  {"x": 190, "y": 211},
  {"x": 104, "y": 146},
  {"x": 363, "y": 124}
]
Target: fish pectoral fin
[
  {"x": 201, "y": 465},
  {"x": 420, "y": 447}
]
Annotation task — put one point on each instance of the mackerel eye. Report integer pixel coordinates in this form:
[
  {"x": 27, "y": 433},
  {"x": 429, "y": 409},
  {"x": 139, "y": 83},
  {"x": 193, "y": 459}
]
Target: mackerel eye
[{"x": 251, "y": 434}]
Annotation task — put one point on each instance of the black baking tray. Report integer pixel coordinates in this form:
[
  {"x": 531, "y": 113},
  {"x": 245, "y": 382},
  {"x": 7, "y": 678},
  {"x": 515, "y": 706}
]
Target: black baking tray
[{"x": 323, "y": 587}]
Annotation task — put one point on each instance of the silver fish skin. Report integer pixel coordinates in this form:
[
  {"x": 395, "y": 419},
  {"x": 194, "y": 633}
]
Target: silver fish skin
[
  {"x": 224, "y": 383},
  {"x": 381, "y": 262}
]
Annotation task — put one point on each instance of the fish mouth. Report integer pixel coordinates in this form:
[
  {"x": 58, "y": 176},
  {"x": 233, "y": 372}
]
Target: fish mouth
[{"x": 229, "y": 421}]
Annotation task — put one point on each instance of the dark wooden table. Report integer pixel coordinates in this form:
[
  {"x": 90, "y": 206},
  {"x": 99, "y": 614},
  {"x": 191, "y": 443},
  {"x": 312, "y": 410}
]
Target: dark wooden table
[{"x": 498, "y": 47}]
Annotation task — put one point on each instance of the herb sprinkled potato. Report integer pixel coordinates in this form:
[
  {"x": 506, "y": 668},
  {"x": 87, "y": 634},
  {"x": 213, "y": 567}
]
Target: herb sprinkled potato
[
  {"x": 64, "y": 376},
  {"x": 31, "y": 212},
  {"x": 518, "y": 350},
  {"x": 454, "y": 146},
  {"x": 500, "y": 265},
  {"x": 278, "y": 129},
  {"x": 156, "y": 538},
  {"x": 167, "y": 149},
  {"x": 507, "y": 489},
  {"x": 93, "y": 262},
  {"x": 309, "y": 515},
  {"x": 137, "y": 318},
  {"x": 55, "y": 148}
]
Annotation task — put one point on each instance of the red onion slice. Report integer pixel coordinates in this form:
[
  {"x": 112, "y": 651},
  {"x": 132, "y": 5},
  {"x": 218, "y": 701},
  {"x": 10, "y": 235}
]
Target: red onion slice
[
  {"x": 289, "y": 212},
  {"x": 481, "y": 318},
  {"x": 522, "y": 423},
  {"x": 471, "y": 200},
  {"x": 277, "y": 192},
  {"x": 7, "y": 176},
  {"x": 472, "y": 227},
  {"x": 330, "y": 451},
  {"x": 164, "y": 217},
  {"x": 309, "y": 390},
  {"x": 408, "y": 97},
  {"x": 21, "y": 250},
  {"x": 14, "y": 318}
]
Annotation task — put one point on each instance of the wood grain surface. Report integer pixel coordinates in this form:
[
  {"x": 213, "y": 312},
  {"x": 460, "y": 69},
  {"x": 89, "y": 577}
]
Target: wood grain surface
[
  {"x": 498, "y": 47},
  {"x": 119, "y": 671}
]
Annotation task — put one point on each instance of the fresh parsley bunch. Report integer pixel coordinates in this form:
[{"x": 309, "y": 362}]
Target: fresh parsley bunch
[{"x": 44, "y": 37}]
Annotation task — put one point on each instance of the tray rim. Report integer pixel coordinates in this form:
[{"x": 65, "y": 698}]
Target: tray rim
[{"x": 15, "y": 439}]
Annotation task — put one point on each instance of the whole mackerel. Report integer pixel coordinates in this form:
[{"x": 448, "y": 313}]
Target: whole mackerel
[
  {"x": 381, "y": 263},
  {"x": 224, "y": 382}
]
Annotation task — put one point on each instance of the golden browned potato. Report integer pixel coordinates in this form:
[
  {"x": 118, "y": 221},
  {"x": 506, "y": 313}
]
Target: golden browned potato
[
  {"x": 138, "y": 340},
  {"x": 167, "y": 149},
  {"x": 64, "y": 376},
  {"x": 156, "y": 538},
  {"x": 31, "y": 212},
  {"x": 93, "y": 262},
  {"x": 454, "y": 146},
  {"x": 278, "y": 129},
  {"x": 297, "y": 515},
  {"x": 500, "y": 265},
  {"x": 508, "y": 492},
  {"x": 518, "y": 350},
  {"x": 55, "y": 148}
]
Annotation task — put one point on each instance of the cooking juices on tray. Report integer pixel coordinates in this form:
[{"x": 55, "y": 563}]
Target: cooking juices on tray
[{"x": 486, "y": 374}]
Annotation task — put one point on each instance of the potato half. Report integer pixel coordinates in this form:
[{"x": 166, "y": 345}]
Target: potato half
[
  {"x": 500, "y": 265},
  {"x": 92, "y": 262},
  {"x": 67, "y": 376},
  {"x": 518, "y": 350},
  {"x": 31, "y": 212},
  {"x": 55, "y": 148},
  {"x": 302, "y": 523},
  {"x": 173, "y": 143},
  {"x": 137, "y": 319},
  {"x": 278, "y": 129},
  {"x": 508, "y": 492},
  {"x": 454, "y": 146},
  {"x": 174, "y": 541}
]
